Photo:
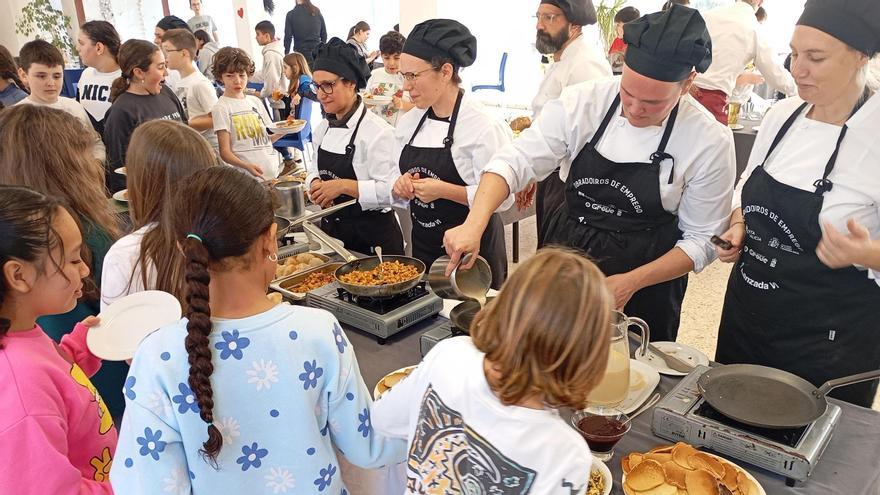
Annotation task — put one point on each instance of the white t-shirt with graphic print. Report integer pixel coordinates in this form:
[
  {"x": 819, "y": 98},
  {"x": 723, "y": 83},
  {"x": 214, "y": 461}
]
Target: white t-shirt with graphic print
[{"x": 246, "y": 120}]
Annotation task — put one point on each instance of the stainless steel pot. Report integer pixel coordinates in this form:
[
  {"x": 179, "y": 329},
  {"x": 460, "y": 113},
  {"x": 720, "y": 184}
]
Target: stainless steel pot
[
  {"x": 291, "y": 199},
  {"x": 460, "y": 284}
]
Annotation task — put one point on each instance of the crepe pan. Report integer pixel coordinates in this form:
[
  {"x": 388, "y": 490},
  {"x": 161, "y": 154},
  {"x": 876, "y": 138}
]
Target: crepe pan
[{"x": 768, "y": 397}]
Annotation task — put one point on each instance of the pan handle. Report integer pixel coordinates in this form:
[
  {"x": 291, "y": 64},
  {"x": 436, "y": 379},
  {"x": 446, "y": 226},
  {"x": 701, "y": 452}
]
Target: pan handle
[
  {"x": 321, "y": 213},
  {"x": 313, "y": 229},
  {"x": 847, "y": 380}
]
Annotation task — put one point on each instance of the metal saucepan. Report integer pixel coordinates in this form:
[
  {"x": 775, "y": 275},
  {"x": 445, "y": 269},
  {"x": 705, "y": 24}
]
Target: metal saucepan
[
  {"x": 283, "y": 227},
  {"x": 767, "y": 397},
  {"x": 364, "y": 264},
  {"x": 462, "y": 316}
]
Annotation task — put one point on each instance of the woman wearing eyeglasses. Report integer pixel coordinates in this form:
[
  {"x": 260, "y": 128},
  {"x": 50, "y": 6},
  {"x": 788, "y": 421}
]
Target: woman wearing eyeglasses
[
  {"x": 354, "y": 154},
  {"x": 444, "y": 143}
]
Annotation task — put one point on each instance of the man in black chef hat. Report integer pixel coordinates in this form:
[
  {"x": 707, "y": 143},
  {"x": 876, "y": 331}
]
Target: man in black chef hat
[
  {"x": 559, "y": 24},
  {"x": 649, "y": 172}
]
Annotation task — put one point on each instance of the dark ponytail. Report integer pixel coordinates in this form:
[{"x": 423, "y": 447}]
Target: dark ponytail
[
  {"x": 103, "y": 32},
  {"x": 134, "y": 54},
  {"x": 8, "y": 69},
  {"x": 26, "y": 233},
  {"x": 218, "y": 215}
]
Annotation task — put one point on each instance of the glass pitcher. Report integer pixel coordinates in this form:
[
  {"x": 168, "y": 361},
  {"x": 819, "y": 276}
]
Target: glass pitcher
[{"x": 613, "y": 388}]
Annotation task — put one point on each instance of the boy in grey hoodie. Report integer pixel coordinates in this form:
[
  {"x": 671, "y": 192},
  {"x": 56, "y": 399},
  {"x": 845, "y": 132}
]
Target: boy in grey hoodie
[{"x": 272, "y": 73}]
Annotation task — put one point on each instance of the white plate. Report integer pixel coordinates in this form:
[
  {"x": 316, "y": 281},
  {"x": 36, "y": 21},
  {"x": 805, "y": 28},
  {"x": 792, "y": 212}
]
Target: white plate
[
  {"x": 126, "y": 322},
  {"x": 121, "y": 171},
  {"x": 748, "y": 474},
  {"x": 735, "y": 127},
  {"x": 376, "y": 100},
  {"x": 684, "y": 352},
  {"x": 405, "y": 369},
  {"x": 280, "y": 128},
  {"x": 637, "y": 396},
  {"x": 606, "y": 473},
  {"x": 121, "y": 195},
  {"x": 301, "y": 237}
]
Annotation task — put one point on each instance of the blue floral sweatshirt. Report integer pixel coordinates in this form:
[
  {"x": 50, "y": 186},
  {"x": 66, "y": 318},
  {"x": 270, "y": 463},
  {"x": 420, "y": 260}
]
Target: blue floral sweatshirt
[{"x": 287, "y": 390}]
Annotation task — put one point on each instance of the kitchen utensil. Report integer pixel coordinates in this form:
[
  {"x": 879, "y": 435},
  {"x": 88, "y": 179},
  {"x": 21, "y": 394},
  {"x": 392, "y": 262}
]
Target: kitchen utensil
[
  {"x": 653, "y": 400},
  {"x": 285, "y": 285},
  {"x": 768, "y": 397},
  {"x": 613, "y": 388},
  {"x": 283, "y": 226},
  {"x": 291, "y": 199},
  {"x": 671, "y": 361},
  {"x": 378, "y": 250},
  {"x": 472, "y": 284},
  {"x": 314, "y": 215},
  {"x": 364, "y": 264},
  {"x": 463, "y": 315}
]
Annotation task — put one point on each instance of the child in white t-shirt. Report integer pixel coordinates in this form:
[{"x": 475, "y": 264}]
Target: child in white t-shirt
[
  {"x": 388, "y": 81},
  {"x": 42, "y": 69},
  {"x": 485, "y": 408},
  {"x": 194, "y": 90},
  {"x": 240, "y": 120},
  {"x": 98, "y": 45}
]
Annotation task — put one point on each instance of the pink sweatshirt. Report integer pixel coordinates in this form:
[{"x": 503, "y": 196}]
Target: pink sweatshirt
[{"x": 56, "y": 435}]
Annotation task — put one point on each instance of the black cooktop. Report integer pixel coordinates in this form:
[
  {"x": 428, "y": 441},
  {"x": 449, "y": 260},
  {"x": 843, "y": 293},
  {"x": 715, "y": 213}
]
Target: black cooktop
[
  {"x": 784, "y": 436},
  {"x": 383, "y": 305}
]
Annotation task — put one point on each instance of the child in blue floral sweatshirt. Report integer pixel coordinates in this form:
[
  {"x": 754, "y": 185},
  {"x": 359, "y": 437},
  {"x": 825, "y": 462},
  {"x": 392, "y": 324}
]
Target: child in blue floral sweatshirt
[{"x": 242, "y": 395}]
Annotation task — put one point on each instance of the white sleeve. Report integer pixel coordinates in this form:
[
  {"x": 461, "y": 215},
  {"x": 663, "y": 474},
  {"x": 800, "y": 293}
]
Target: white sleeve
[
  {"x": 400, "y": 140},
  {"x": 493, "y": 139},
  {"x": 540, "y": 149},
  {"x": 222, "y": 119},
  {"x": 205, "y": 97},
  {"x": 704, "y": 209},
  {"x": 775, "y": 74},
  {"x": 373, "y": 192},
  {"x": 114, "y": 279}
]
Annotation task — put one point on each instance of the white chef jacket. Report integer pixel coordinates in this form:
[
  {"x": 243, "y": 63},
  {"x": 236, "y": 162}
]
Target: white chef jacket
[
  {"x": 477, "y": 136},
  {"x": 703, "y": 149},
  {"x": 579, "y": 62},
  {"x": 372, "y": 161},
  {"x": 801, "y": 156},
  {"x": 736, "y": 42}
]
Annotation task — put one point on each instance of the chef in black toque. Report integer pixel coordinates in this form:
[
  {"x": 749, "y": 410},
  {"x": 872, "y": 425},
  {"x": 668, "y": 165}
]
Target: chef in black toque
[
  {"x": 445, "y": 142},
  {"x": 649, "y": 171},
  {"x": 803, "y": 294},
  {"x": 354, "y": 154}
]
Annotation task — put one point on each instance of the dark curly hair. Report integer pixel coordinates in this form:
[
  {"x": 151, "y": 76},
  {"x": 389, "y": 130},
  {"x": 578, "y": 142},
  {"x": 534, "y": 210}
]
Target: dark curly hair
[{"x": 231, "y": 60}]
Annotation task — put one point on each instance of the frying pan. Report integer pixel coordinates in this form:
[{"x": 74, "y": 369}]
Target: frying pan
[
  {"x": 767, "y": 397},
  {"x": 283, "y": 227},
  {"x": 364, "y": 264},
  {"x": 463, "y": 315}
]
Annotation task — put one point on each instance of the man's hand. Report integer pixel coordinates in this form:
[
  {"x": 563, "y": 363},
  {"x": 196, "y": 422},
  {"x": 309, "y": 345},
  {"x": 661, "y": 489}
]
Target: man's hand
[{"x": 839, "y": 250}]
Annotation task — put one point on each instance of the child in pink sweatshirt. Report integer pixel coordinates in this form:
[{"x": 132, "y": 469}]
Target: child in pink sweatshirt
[{"x": 56, "y": 435}]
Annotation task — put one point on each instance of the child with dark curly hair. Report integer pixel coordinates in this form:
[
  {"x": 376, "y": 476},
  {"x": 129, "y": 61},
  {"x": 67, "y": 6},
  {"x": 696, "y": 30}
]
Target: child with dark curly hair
[{"x": 240, "y": 120}]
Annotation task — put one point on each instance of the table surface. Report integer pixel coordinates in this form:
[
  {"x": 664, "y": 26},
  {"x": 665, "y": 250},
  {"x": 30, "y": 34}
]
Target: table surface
[{"x": 850, "y": 465}]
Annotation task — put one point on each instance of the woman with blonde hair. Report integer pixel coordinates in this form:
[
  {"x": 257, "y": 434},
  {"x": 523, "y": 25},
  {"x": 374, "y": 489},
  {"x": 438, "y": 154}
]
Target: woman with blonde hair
[
  {"x": 161, "y": 154},
  {"x": 541, "y": 345},
  {"x": 45, "y": 150}
]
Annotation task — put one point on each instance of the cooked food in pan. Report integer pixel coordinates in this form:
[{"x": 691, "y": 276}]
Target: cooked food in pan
[{"x": 386, "y": 273}]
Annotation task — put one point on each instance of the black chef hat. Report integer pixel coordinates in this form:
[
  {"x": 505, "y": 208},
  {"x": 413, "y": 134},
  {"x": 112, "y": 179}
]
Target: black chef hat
[
  {"x": 579, "y": 12},
  {"x": 668, "y": 45},
  {"x": 342, "y": 59},
  {"x": 854, "y": 22},
  {"x": 170, "y": 22},
  {"x": 444, "y": 38}
]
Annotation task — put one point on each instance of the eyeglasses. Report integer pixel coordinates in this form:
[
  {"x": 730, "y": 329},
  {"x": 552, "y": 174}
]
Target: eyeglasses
[
  {"x": 411, "y": 76},
  {"x": 546, "y": 18},
  {"x": 326, "y": 87}
]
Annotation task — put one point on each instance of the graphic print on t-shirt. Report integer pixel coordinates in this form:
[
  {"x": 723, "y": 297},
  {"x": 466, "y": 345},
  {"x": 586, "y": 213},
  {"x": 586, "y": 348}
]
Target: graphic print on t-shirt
[
  {"x": 447, "y": 456},
  {"x": 249, "y": 125}
]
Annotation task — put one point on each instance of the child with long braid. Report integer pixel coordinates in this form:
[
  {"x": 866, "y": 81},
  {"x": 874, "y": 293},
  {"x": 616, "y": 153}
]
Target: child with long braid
[{"x": 242, "y": 395}]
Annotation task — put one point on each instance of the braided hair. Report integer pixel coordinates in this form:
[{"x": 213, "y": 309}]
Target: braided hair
[
  {"x": 26, "y": 232},
  {"x": 218, "y": 215},
  {"x": 8, "y": 69}
]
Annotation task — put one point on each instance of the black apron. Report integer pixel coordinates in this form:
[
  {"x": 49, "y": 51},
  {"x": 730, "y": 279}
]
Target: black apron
[
  {"x": 548, "y": 198},
  {"x": 784, "y": 308},
  {"x": 361, "y": 230},
  {"x": 430, "y": 220},
  {"x": 613, "y": 212}
]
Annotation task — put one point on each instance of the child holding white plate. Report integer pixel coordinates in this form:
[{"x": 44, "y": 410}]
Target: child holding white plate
[
  {"x": 56, "y": 434},
  {"x": 242, "y": 395},
  {"x": 484, "y": 408}
]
